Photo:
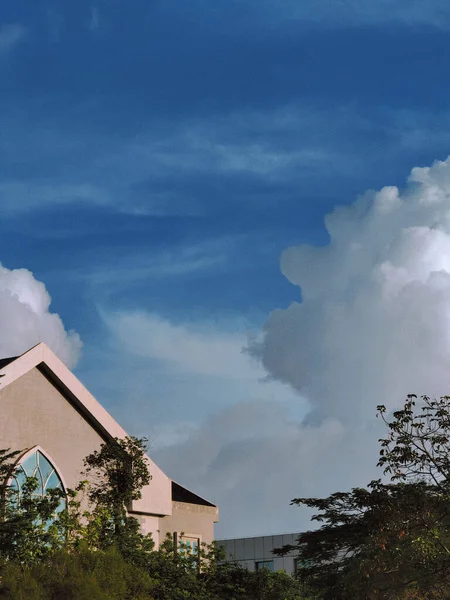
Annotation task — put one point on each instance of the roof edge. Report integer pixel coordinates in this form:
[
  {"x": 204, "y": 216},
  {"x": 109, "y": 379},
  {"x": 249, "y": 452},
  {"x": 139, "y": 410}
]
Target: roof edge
[{"x": 51, "y": 367}]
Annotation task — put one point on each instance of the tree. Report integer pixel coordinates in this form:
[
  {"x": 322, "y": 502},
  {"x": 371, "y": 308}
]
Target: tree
[
  {"x": 391, "y": 540},
  {"x": 97, "y": 552},
  {"x": 117, "y": 473}
]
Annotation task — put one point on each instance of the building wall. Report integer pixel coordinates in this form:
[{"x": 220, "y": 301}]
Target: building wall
[
  {"x": 33, "y": 412},
  {"x": 249, "y": 551},
  {"x": 150, "y": 524},
  {"x": 192, "y": 519}
]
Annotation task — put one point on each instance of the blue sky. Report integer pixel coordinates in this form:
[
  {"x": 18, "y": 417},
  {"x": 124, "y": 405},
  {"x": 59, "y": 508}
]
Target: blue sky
[{"x": 157, "y": 157}]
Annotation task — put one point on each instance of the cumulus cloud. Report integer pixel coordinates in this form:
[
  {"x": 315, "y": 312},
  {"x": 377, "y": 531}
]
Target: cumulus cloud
[
  {"x": 373, "y": 324},
  {"x": 25, "y": 318}
]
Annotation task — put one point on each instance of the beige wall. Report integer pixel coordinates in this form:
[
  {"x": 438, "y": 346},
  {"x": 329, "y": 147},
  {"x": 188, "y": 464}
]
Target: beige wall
[
  {"x": 33, "y": 412},
  {"x": 150, "y": 524},
  {"x": 193, "y": 519}
]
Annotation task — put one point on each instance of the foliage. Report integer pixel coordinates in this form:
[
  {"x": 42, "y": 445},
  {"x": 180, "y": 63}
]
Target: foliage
[
  {"x": 26, "y": 532},
  {"x": 392, "y": 540},
  {"x": 418, "y": 441},
  {"x": 117, "y": 473},
  {"x": 207, "y": 577},
  {"x": 83, "y": 575},
  {"x": 94, "y": 550}
]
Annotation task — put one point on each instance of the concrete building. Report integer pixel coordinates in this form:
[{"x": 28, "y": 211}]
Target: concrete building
[
  {"x": 51, "y": 417},
  {"x": 255, "y": 553}
]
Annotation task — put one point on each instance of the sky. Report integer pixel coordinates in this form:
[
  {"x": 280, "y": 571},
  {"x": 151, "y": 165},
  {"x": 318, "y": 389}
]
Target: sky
[{"x": 231, "y": 219}]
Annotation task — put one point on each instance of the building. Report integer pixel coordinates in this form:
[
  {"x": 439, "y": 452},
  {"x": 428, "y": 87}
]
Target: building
[
  {"x": 49, "y": 415},
  {"x": 255, "y": 553}
]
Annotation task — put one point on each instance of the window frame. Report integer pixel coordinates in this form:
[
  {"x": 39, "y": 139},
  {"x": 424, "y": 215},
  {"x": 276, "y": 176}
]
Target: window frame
[{"x": 24, "y": 456}]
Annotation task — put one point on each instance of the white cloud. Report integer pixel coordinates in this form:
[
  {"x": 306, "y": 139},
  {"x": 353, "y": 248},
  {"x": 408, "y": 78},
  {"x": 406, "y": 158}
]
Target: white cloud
[
  {"x": 11, "y": 35},
  {"x": 373, "y": 325},
  {"x": 202, "y": 401},
  {"x": 25, "y": 318},
  {"x": 200, "y": 350}
]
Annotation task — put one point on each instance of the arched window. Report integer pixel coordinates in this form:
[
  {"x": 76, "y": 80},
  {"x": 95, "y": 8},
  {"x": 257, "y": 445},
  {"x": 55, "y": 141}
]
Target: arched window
[{"x": 37, "y": 465}]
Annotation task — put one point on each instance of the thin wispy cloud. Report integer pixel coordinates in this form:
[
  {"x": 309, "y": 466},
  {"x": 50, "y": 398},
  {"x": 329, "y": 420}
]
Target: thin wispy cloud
[
  {"x": 20, "y": 196},
  {"x": 94, "y": 19},
  {"x": 153, "y": 174},
  {"x": 176, "y": 262},
  {"x": 11, "y": 35},
  {"x": 258, "y": 17}
]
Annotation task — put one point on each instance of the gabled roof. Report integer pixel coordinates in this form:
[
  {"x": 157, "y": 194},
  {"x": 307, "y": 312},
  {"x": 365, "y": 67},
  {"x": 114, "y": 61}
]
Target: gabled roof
[
  {"x": 6, "y": 361},
  {"x": 157, "y": 496}
]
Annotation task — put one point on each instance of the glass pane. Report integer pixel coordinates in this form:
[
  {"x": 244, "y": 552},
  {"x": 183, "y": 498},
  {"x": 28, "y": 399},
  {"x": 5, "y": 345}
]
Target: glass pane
[
  {"x": 264, "y": 564},
  {"x": 40, "y": 489},
  {"x": 53, "y": 482},
  {"x": 61, "y": 506},
  {"x": 20, "y": 477},
  {"x": 29, "y": 464},
  {"x": 36, "y": 465},
  {"x": 45, "y": 467}
]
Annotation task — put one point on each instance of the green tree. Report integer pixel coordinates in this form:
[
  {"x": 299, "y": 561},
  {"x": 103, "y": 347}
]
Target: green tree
[
  {"x": 94, "y": 549},
  {"x": 391, "y": 540},
  {"x": 117, "y": 473}
]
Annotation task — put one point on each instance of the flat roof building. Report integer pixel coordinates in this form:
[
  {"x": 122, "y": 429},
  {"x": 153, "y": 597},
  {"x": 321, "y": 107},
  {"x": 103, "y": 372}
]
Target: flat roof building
[{"x": 255, "y": 553}]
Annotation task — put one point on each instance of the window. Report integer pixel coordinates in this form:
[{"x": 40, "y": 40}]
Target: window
[
  {"x": 264, "y": 564},
  {"x": 38, "y": 466},
  {"x": 189, "y": 544}
]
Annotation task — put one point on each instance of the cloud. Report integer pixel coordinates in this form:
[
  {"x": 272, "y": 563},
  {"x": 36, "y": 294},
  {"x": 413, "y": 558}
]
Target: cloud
[
  {"x": 254, "y": 457},
  {"x": 211, "y": 419},
  {"x": 94, "y": 19},
  {"x": 20, "y": 196},
  {"x": 167, "y": 168},
  {"x": 134, "y": 267},
  {"x": 200, "y": 349},
  {"x": 192, "y": 166},
  {"x": 374, "y": 321},
  {"x": 372, "y": 326},
  {"x": 11, "y": 35},
  {"x": 25, "y": 318},
  {"x": 322, "y": 13},
  {"x": 207, "y": 351},
  {"x": 365, "y": 12}
]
